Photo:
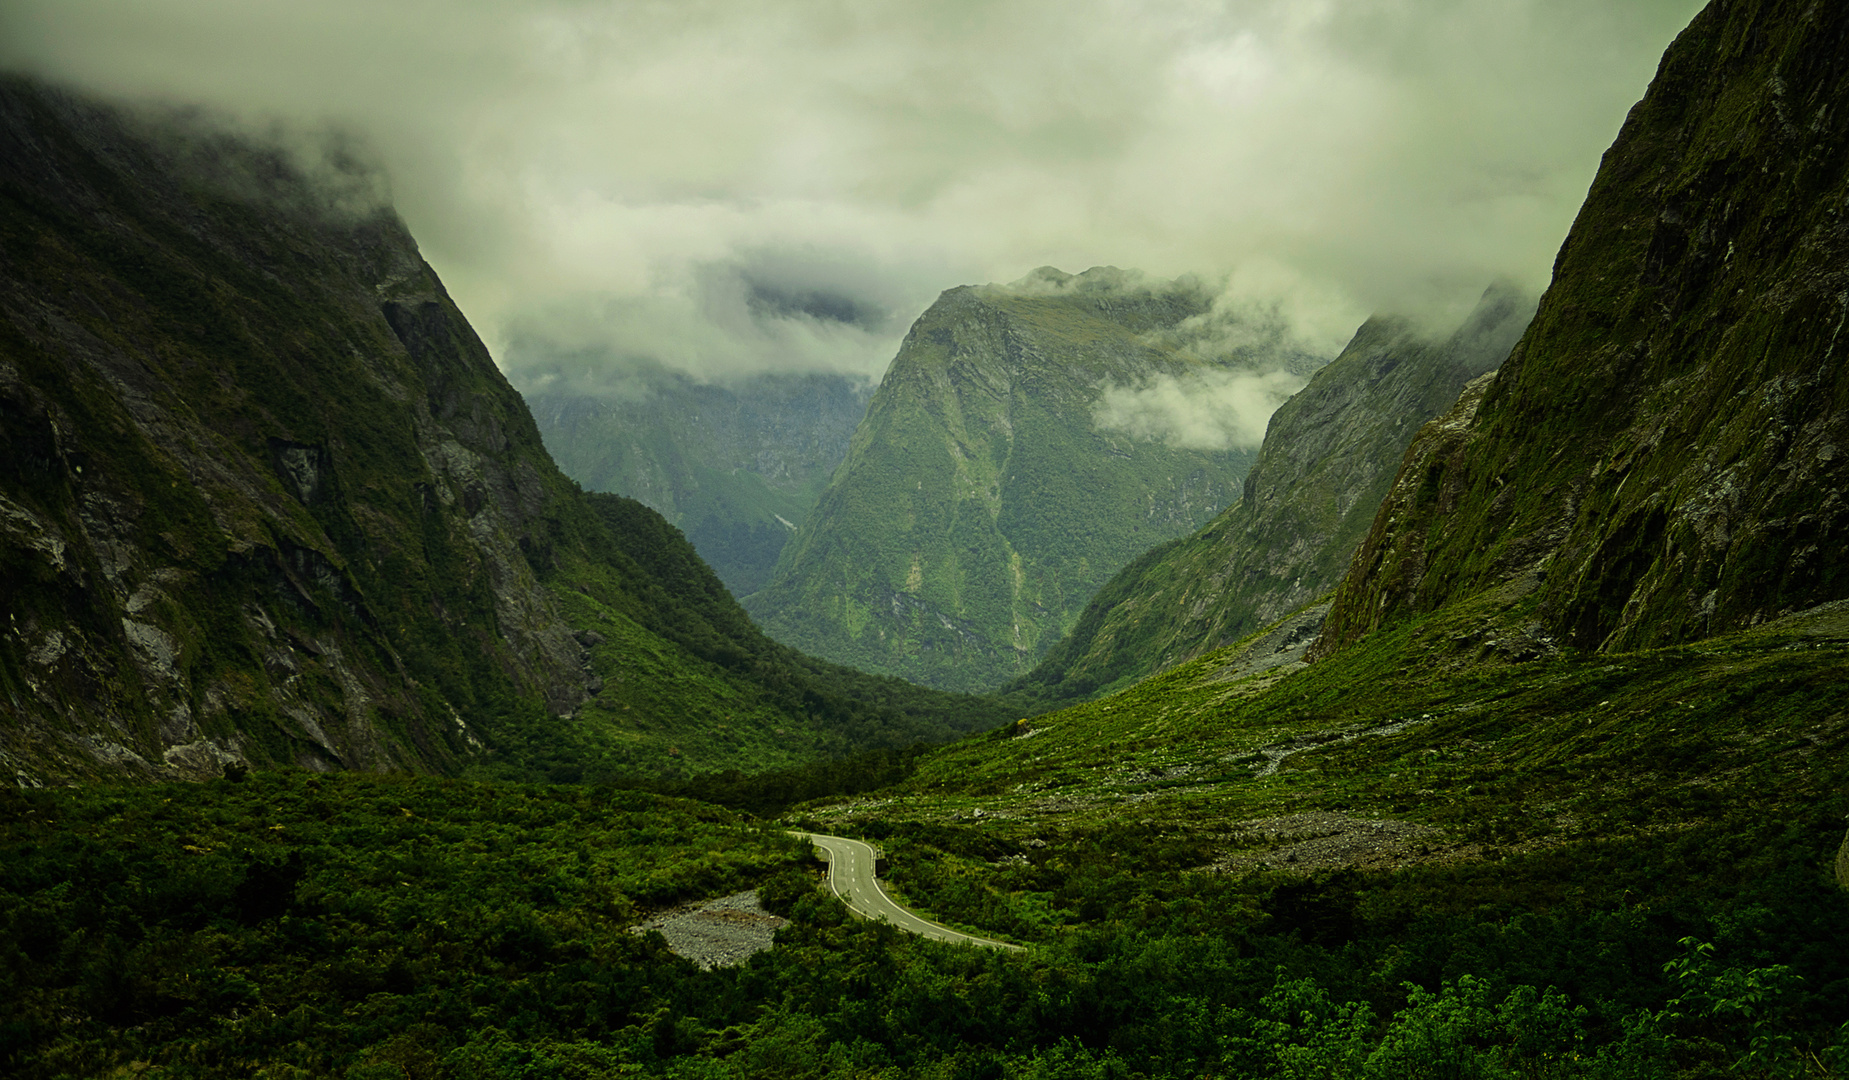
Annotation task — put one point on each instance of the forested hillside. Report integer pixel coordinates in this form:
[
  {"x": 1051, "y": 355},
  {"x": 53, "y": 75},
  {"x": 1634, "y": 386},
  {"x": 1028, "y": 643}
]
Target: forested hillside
[
  {"x": 737, "y": 465},
  {"x": 983, "y": 502},
  {"x": 1329, "y": 455},
  {"x": 269, "y": 501}
]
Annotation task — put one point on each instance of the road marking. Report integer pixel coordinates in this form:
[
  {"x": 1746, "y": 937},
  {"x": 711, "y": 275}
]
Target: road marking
[{"x": 874, "y": 905}]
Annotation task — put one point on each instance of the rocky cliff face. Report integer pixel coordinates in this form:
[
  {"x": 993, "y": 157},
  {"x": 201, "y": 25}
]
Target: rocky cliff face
[
  {"x": 981, "y": 505},
  {"x": 263, "y": 478},
  {"x": 736, "y": 465},
  {"x": 1662, "y": 458},
  {"x": 265, "y": 498},
  {"x": 1329, "y": 455}
]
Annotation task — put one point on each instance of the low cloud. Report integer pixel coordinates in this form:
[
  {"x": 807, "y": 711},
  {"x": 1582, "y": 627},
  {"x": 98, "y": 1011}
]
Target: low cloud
[
  {"x": 1215, "y": 409},
  {"x": 770, "y": 310},
  {"x": 572, "y": 166}
]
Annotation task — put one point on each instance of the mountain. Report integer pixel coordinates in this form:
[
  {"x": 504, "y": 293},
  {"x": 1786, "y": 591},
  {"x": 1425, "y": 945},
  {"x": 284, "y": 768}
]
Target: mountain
[
  {"x": 1663, "y": 457},
  {"x": 1329, "y": 455},
  {"x": 1444, "y": 850},
  {"x": 267, "y": 500},
  {"x": 1576, "y": 727},
  {"x": 736, "y": 465},
  {"x": 988, "y": 494}
]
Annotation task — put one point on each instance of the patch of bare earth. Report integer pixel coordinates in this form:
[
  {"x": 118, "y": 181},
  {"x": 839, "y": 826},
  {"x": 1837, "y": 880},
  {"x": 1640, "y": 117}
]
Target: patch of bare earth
[
  {"x": 716, "y": 933},
  {"x": 1319, "y": 840}
]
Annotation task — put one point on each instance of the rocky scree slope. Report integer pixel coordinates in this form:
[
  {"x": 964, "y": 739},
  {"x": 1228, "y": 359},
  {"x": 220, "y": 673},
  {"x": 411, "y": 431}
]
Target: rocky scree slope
[
  {"x": 980, "y": 506},
  {"x": 1663, "y": 457},
  {"x": 266, "y": 498},
  {"x": 1329, "y": 455},
  {"x": 736, "y": 465}
]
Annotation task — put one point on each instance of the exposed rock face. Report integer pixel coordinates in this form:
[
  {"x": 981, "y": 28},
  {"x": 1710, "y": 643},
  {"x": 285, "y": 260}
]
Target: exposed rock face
[
  {"x": 1665, "y": 449},
  {"x": 737, "y": 466},
  {"x": 266, "y": 498},
  {"x": 980, "y": 506},
  {"x": 1328, "y": 457}
]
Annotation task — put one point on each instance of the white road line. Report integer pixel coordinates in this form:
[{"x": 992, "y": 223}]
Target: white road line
[{"x": 845, "y": 881}]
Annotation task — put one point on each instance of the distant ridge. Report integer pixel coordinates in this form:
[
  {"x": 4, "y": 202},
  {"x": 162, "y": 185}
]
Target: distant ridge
[{"x": 1328, "y": 457}]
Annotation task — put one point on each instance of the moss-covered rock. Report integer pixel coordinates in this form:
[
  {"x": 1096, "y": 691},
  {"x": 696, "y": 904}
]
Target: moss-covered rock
[{"x": 1664, "y": 452}]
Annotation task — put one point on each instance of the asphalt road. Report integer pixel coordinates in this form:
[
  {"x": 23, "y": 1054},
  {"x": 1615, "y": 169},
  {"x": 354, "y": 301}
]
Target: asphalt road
[{"x": 851, "y": 875}]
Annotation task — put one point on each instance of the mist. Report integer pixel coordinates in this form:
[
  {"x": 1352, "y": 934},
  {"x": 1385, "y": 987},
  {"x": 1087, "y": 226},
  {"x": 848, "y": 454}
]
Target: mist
[
  {"x": 726, "y": 188},
  {"x": 1213, "y": 409}
]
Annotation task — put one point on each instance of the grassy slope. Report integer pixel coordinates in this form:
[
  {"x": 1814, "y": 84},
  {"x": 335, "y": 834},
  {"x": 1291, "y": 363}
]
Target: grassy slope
[
  {"x": 1752, "y": 719},
  {"x": 1309, "y": 498},
  {"x": 978, "y": 510},
  {"x": 690, "y": 685}
]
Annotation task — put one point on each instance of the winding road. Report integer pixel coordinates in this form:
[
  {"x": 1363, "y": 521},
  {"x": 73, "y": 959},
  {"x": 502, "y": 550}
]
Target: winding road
[{"x": 851, "y": 866}]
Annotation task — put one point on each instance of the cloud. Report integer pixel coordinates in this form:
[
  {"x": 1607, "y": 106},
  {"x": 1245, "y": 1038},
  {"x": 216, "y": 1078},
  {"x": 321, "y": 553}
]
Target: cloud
[
  {"x": 605, "y": 167},
  {"x": 1212, "y": 409}
]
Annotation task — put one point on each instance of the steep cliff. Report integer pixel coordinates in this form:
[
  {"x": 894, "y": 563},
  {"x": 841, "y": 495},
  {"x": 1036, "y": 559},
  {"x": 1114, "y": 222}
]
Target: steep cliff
[
  {"x": 1329, "y": 454},
  {"x": 264, "y": 497},
  {"x": 1663, "y": 456},
  {"x": 737, "y": 465},
  {"x": 981, "y": 504}
]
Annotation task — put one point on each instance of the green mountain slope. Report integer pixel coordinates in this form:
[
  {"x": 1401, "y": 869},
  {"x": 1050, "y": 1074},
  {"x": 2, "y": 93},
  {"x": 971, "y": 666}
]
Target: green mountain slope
[
  {"x": 736, "y": 466},
  {"x": 1499, "y": 773},
  {"x": 1329, "y": 455},
  {"x": 268, "y": 500},
  {"x": 981, "y": 504},
  {"x": 1662, "y": 456}
]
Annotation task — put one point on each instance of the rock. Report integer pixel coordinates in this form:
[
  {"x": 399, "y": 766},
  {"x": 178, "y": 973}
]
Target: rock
[{"x": 1662, "y": 455}]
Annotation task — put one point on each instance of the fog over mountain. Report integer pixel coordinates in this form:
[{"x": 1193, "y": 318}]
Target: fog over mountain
[{"x": 729, "y": 187}]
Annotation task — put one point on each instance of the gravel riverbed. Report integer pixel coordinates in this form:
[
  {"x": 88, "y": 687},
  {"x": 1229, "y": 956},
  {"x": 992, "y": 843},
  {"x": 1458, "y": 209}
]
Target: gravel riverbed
[{"x": 716, "y": 933}]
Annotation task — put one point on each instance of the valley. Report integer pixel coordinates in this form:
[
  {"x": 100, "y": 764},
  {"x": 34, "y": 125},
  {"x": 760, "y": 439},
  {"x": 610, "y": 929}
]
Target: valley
[{"x": 1486, "y": 720}]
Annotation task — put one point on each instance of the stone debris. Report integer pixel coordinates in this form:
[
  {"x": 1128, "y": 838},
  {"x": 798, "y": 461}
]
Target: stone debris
[
  {"x": 716, "y": 933},
  {"x": 1315, "y": 841},
  {"x": 1283, "y": 646}
]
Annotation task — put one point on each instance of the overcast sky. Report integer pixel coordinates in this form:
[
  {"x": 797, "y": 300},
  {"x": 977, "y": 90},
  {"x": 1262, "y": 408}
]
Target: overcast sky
[{"x": 737, "y": 185}]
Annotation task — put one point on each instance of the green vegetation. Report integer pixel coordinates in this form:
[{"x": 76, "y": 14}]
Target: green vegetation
[
  {"x": 323, "y": 925},
  {"x": 730, "y": 464},
  {"x": 979, "y": 507},
  {"x": 690, "y": 686},
  {"x": 1327, "y": 461},
  {"x": 1624, "y": 874},
  {"x": 1448, "y": 834},
  {"x": 277, "y": 504}
]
